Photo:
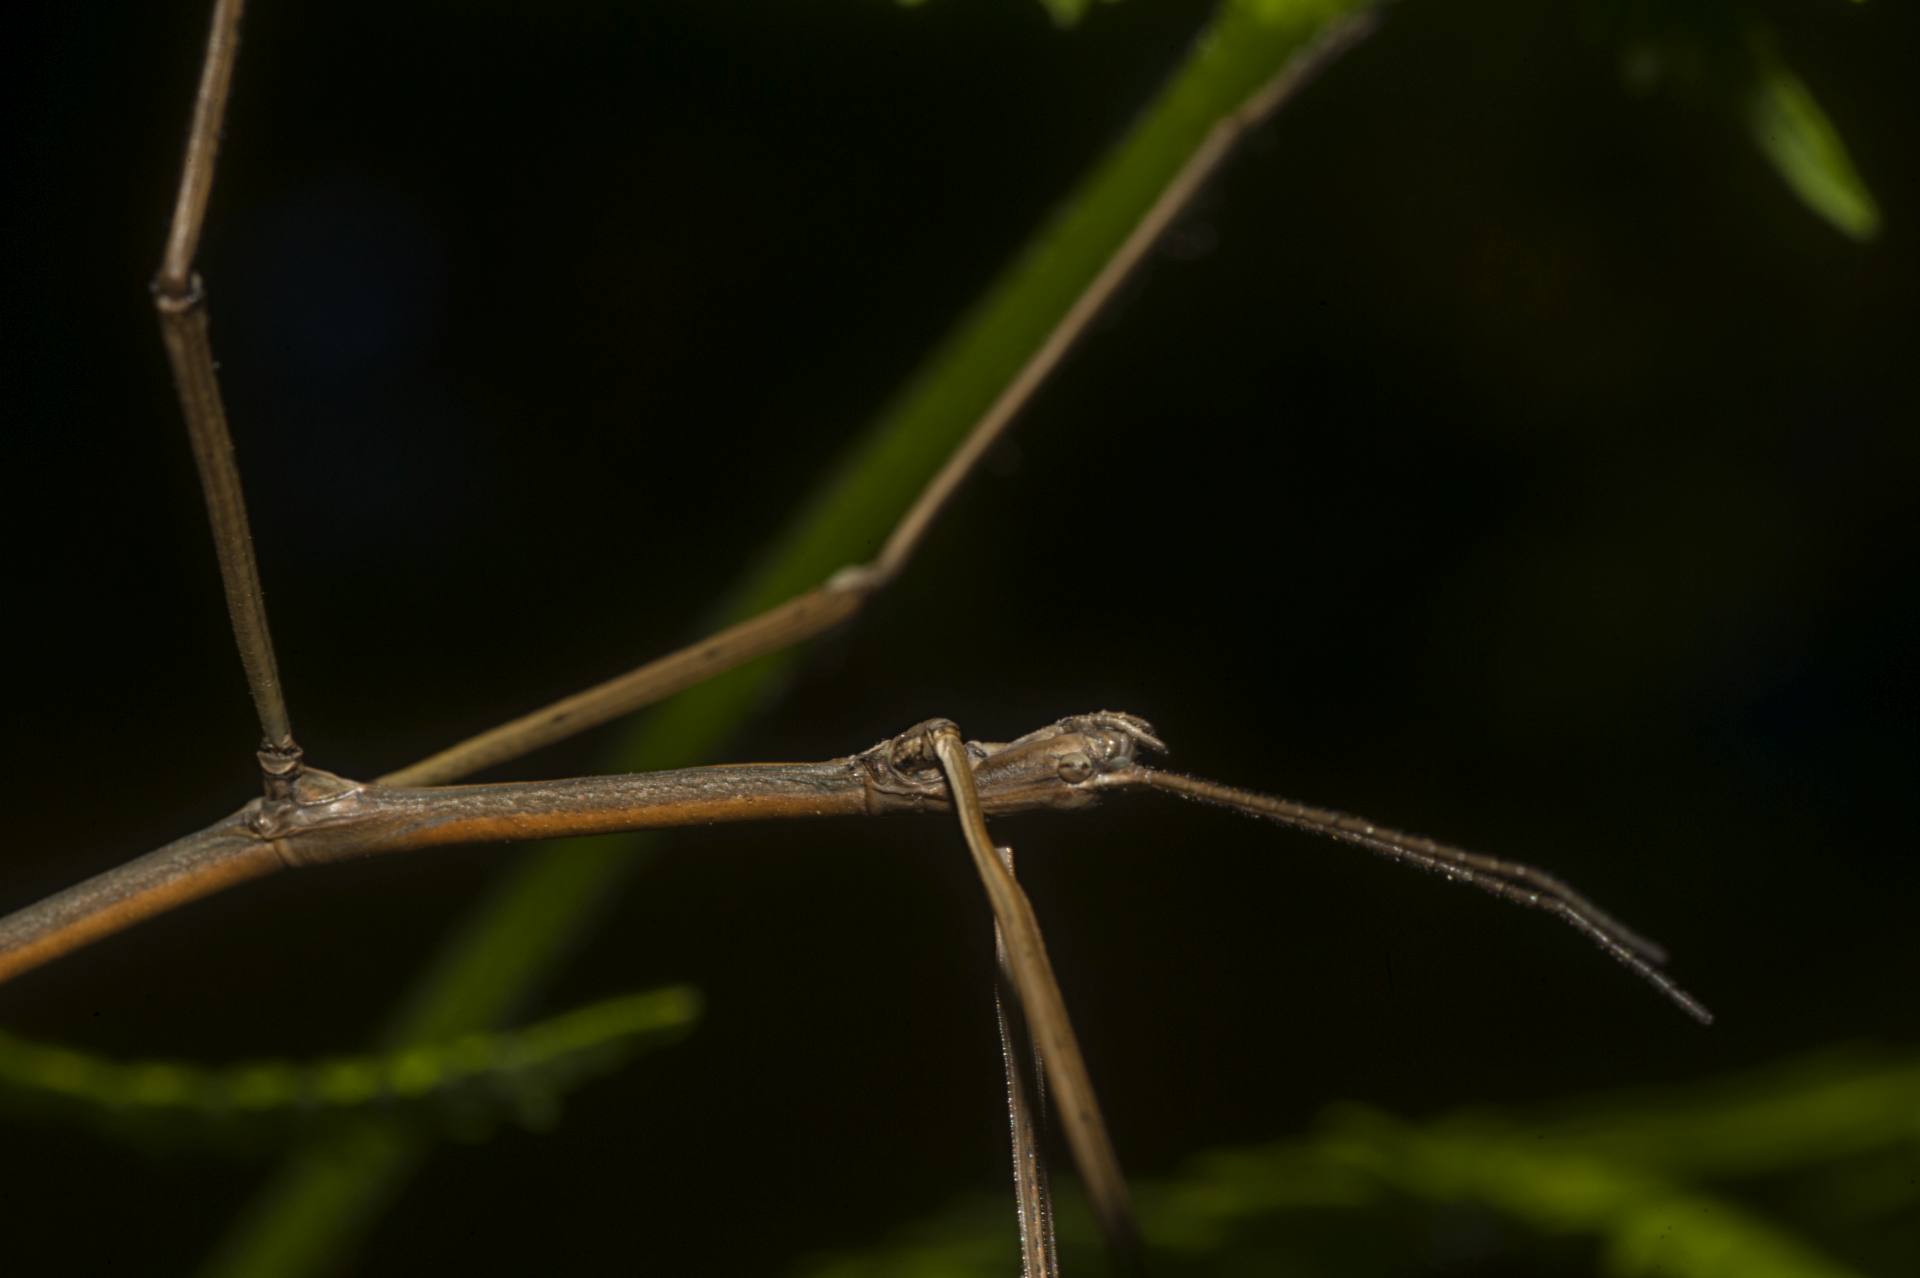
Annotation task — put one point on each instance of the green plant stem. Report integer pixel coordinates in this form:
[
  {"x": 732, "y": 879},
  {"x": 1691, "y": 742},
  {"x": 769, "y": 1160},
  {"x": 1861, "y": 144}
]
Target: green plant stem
[{"x": 314, "y": 1208}]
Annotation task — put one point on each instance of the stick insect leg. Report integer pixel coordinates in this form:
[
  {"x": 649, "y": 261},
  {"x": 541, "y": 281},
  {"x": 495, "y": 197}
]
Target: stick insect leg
[
  {"x": 180, "y": 299},
  {"x": 1041, "y": 1002}
]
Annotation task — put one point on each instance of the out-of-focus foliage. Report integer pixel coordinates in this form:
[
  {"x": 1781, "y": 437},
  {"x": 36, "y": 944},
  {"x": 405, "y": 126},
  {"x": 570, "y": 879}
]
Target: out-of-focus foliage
[
  {"x": 1720, "y": 54},
  {"x": 1795, "y": 135},
  {"x": 1806, "y": 1171},
  {"x": 464, "y": 1084},
  {"x": 1065, "y": 13},
  {"x": 1723, "y": 55}
]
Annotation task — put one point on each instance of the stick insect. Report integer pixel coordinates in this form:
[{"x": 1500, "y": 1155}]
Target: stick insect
[{"x": 307, "y": 815}]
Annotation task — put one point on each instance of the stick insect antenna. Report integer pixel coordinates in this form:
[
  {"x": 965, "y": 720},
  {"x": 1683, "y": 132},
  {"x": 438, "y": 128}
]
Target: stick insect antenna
[{"x": 1510, "y": 880}]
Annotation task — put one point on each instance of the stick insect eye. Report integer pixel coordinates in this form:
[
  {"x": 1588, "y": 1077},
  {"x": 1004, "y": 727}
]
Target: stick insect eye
[{"x": 1074, "y": 767}]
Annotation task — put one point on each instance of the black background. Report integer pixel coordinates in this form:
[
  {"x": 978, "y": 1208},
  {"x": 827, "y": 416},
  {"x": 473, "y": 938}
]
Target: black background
[{"x": 1492, "y": 452}]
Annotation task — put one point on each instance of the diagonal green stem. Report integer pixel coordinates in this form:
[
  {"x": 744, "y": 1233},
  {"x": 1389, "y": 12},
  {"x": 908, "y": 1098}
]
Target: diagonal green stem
[{"x": 315, "y": 1207}]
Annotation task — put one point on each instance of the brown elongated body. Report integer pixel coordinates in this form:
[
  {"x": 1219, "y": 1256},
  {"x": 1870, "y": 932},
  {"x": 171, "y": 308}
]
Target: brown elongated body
[{"x": 328, "y": 818}]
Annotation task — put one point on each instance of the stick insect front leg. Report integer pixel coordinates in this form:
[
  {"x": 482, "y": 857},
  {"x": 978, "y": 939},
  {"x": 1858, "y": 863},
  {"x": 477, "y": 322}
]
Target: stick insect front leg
[
  {"x": 1043, "y": 1007},
  {"x": 1026, "y": 1115}
]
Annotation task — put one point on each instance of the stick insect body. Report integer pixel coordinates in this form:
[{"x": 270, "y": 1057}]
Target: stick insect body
[{"x": 308, "y": 816}]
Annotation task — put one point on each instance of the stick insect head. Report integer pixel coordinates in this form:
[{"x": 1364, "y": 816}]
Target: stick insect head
[{"x": 1062, "y": 765}]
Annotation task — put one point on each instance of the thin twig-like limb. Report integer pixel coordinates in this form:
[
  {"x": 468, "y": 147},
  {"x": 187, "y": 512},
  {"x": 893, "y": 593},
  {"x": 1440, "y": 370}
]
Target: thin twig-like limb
[
  {"x": 203, "y": 147},
  {"x": 181, "y": 301},
  {"x": 1041, "y": 1003},
  {"x": 183, "y": 327},
  {"x": 1509, "y": 880},
  {"x": 849, "y": 589},
  {"x": 1026, "y": 1116}
]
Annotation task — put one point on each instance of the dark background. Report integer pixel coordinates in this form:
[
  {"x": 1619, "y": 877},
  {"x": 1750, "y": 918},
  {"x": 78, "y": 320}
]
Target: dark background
[{"x": 1493, "y": 452}]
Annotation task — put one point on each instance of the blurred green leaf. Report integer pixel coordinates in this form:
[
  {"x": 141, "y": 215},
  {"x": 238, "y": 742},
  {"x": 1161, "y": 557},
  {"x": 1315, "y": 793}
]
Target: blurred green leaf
[
  {"x": 1720, "y": 53},
  {"x": 1805, "y": 148},
  {"x": 1650, "y": 1226},
  {"x": 1841, "y": 1105},
  {"x": 1066, "y": 13},
  {"x": 473, "y": 1078},
  {"x": 1641, "y": 1178}
]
